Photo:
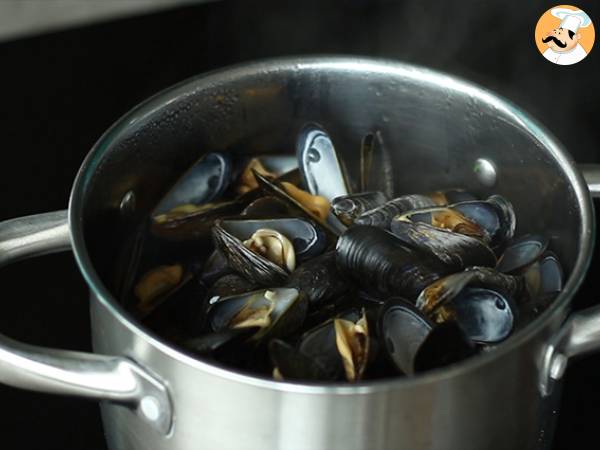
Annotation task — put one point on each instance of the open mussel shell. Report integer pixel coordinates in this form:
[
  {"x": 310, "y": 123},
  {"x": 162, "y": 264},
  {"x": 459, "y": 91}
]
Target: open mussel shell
[
  {"x": 376, "y": 172},
  {"x": 382, "y": 215},
  {"x": 292, "y": 364},
  {"x": 267, "y": 206},
  {"x": 277, "y": 312},
  {"x": 223, "y": 340},
  {"x": 496, "y": 215},
  {"x": 348, "y": 207},
  {"x": 521, "y": 253},
  {"x": 451, "y": 196},
  {"x": 446, "y": 218},
  {"x": 379, "y": 261},
  {"x": 445, "y": 344},
  {"x": 204, "y": 182},
  {"x": 321, "y": 281},
  {"x": 308, "y": 239},
  {"x": 435, "y": 296},
  {"x": 402, "y": 329},
  {"x": 319, "y": 164},
  {"x": 250, "y": 264},
  {"x": 231, "y": 284},
  {"x": 551, "y": 274},
  {"x": 326, "y": 346},
  {"x": 456, "y": 250},
  {"x": 192, "y": 222},
  {"x": 317, "y": 210},
  {"x": 485, "y": 316}
]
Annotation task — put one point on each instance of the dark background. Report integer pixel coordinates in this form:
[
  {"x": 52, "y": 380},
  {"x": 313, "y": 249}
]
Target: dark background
[{"x": 60, "y": 91}]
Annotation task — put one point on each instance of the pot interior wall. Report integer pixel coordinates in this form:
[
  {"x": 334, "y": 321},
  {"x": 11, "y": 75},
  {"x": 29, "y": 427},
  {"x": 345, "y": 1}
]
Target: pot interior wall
[{"x": 435, "y": 127}]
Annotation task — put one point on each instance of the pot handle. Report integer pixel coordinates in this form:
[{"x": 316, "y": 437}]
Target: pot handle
[
  {"x": 580, "y": 334},
  {"x": 591, "y": 173},
  {"x": 111, "y": 378}
]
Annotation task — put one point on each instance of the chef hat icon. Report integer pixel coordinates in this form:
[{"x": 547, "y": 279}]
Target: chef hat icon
[{"x": 571, "y": 19}]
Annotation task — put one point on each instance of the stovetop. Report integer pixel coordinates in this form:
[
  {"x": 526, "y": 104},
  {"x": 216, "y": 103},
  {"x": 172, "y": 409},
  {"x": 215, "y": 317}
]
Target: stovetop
[{"x": 61, "y": 91}]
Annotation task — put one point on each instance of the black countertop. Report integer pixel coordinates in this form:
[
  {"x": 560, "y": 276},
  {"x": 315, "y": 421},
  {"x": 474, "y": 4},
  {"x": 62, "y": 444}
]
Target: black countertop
[{"x": 61, "y": 91}]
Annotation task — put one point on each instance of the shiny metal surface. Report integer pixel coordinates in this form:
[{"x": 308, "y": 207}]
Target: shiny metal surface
[
  {"x": 591, "y": 173},
  {"x": 437, "y": 128},
  {"x": 111, "y": 378}
]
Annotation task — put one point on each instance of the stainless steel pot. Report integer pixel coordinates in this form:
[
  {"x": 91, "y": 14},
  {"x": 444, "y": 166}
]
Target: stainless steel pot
[{"x": 444, "y": 132}]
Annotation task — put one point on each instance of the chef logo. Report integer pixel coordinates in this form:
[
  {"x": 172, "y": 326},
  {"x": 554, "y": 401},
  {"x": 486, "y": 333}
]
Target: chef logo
[{"x": 564, "y": 35}]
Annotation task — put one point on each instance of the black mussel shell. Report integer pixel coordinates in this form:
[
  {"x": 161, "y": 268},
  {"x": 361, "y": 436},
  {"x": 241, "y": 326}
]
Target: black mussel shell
[
  {"x": 451, "y": 196},
  {"x": 521, "y": 253},
  {"x": 194, "y": 222},
  {"x": 204, "y": 182},
  {"x": 379, "y": 261},
  {"x": 308, "y": 239},
  {"x": 402, "y": 330},
  {"x": 275, "y": 188},
  {"x": 278, "y": 312},
  {"x": 268, "y": 206},
  {"x": 319, "y": 344},
  {"x": 223, "y": 340},
  {"x": 232, "y": 284},
  {"x": 321, "y": 169},
  {"x": 485, "y": 316},
  {"x": 551, "y": 274},
  {"x": 348, "y": 207},
  {"x": 496, "y": 215},
  {"x": 382, "y": 215},
  {"x": 215, "y": 268},
  {"x": 279, "y": 164},
  {"x": 444, "y": 217},
  {"x": 248, "y": 263},
  {"x": 456, "y": 250},
  {"x": 321, "y": 281},
  {"x": 376, "y": 173},
  {"x": 441, "y": 292},
  {"x": 446, "y": 344},
  {"x": 292, "y": 364}
]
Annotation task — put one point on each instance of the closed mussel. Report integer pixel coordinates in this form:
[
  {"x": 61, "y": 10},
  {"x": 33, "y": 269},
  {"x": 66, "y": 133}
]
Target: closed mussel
[
  {"x": 379, "y": 261},
  {"x": 321, "y": 281}
]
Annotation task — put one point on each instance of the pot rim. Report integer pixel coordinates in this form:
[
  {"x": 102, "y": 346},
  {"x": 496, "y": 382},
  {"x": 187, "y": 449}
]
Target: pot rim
[{"x": 348, "y": 64}]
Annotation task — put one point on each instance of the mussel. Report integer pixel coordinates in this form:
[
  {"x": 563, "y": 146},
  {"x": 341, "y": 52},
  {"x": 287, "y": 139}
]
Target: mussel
[
  {"x": 382, "y": 215},
  {"x": 379, "y": 261},
  {"x": 266, "y": 257},
  {"x": 308, "y": 239},
  {"x": 403, "y": 328},
  {"x": 319, "y": 164},
  {"x": 376, "y": 165},
  {"x": 348, "y": 207},
  {"x": 456, "y": 250},
  {"x": 479, "y": 300},
  {"x": 522, "y": 252},
  {"x": 321, "y": 281},
  {"x": 202, "y": 183},
  {"x": 336, "y": 348},
  {"x": 275, "y": 312}
]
